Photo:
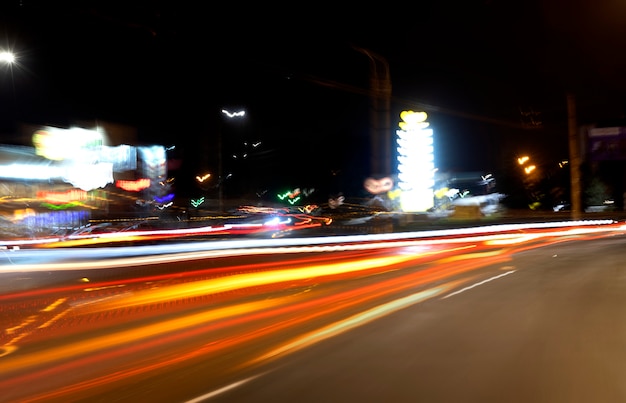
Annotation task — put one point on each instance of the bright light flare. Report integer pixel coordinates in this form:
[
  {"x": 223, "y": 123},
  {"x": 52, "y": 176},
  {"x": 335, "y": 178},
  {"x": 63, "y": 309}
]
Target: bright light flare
[
  {"x": 7, "y": 57},
  {"x": 529, "y": 169},
  {"x": 233, "y": 114},
  {"x": 203, "y": 177}
]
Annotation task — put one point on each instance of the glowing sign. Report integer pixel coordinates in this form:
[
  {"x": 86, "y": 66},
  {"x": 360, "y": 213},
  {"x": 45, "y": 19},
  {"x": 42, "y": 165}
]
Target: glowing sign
[
  {"x": 133, "y": 186},
  {"x": 416, "y": 166},
  {"x": 59, "y": 144},
  {"x": 413, "y": 120}
]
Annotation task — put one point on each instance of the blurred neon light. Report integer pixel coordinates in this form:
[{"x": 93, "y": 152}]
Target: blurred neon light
[
  {"x": 61, "y": 206},
  {"x": 164, "y": 199},
  {"x": 59, "y": 144},
  {"x": 197, "y": 202},
  {"x": 292, "y": 196},
  {"x": 378, "y": 186},
  {"x": 133, "y": 186},
  {"x": 203, "y": 177},
  {"x": 62, "y": 197},
  {"x": 165, "y": 206},
  {"x": 83, "y": 176},
  {"x": 233, "y": 114},
  {"x": 416, "y": 166}
]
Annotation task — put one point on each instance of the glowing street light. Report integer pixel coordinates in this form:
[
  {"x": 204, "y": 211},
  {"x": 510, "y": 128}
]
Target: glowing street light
[
  {"x": 233, "y": 114},
  {"x": 529, "y": 169},
  {"x": 203, "y": 177},
  {"x": 7, "y": 57}
]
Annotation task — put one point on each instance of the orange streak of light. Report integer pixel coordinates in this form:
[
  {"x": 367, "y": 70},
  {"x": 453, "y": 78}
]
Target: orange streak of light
[{"x": 333, "y": 303}]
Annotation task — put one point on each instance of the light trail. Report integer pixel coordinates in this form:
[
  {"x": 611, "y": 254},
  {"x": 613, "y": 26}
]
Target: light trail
[
  {"x": 279, "y": 307},
  {"x": 88, "y": 352},
  {"x": 350, "y": 323},
  {"x": 228, "y": 228},
  {"x": 21, "y": 260}
]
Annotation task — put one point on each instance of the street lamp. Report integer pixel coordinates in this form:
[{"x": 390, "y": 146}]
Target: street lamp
[
  {"x": 220, "y": 177},
  {"x": 7, "y": 57},
  {"x": 380, "y": 119},
  {"x": 233, "y": 114}
]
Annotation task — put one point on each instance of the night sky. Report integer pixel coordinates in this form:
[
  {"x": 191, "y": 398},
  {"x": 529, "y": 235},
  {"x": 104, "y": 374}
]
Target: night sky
[{"x": 492, "y": 74}]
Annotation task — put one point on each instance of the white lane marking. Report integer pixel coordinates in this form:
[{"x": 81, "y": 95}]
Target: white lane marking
[
  {"x": 480, "y": 283},
  {"x": 222, "y": 390}
]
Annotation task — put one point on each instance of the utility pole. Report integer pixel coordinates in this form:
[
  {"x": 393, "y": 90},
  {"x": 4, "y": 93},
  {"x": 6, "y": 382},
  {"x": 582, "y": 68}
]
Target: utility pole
[
  {"x": 380, "y": 111},
  {"x": 220, "y": 158},
  {"x": 574, "y": 157},
  {"x": 220, "y": 171}
]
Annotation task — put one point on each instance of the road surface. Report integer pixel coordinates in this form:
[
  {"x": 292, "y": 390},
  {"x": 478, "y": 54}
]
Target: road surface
[{"x": 523, "y": 315}]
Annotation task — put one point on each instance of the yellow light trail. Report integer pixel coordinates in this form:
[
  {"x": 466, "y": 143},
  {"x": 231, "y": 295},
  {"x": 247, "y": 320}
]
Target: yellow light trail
[
  {"x": 218, "y": 285},
  {"x": 91, "y": 346}
]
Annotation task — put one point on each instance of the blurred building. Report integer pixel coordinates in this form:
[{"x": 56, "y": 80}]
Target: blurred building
[{"x": 56, "y": 177}]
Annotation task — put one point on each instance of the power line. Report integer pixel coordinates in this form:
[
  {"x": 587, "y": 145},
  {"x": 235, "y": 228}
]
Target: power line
[{"x": 412, "y": 103}]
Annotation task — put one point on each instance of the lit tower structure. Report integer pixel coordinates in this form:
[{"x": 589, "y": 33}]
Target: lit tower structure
[{"x": 416, "y": 162}]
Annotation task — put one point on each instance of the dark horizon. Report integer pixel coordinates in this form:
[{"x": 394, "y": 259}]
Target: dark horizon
[{"x": 493, "y": 78}]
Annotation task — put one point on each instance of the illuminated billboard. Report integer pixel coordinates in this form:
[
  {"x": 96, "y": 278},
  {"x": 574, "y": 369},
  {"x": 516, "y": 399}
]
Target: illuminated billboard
[{"x": 416, "y": 162}]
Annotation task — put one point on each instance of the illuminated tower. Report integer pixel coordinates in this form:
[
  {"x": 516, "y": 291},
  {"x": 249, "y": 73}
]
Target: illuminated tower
[{"x": 416, "y": 162}]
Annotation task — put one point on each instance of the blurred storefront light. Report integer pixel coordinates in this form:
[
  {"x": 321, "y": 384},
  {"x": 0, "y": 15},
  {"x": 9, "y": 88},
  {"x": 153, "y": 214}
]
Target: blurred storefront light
[{"x": 416, "y": 162}]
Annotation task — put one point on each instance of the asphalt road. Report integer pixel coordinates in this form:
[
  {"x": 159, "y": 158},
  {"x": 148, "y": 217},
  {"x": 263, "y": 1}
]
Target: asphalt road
[
  {"x": 554, "y": 330},
  {"x": 533, "y": 315}
]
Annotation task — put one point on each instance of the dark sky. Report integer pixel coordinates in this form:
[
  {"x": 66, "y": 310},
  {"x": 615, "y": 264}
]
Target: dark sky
[{"x": 492, "y": 74}]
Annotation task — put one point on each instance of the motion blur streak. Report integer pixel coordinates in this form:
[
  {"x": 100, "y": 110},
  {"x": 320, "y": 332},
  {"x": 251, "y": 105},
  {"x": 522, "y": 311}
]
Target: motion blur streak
[
  {"x": 184, "y": 311},
  {"x": 87, "y": 353},
  {"x": 354, "y": 321},
  {"x": 115, "y": 263},
  {"x": 252, "y": 279},
  {"x": 512, "y": 239},
  {"x": 70, "y": 353},
  {"x": 168, "y": 257}
]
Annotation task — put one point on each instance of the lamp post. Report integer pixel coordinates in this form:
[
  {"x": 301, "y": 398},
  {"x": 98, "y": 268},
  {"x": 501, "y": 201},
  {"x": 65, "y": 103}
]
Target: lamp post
[
  {"x": 220, "y": 163},
  {"x": 574, "y": 158},
  {"x": 380, "y": 119}
]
